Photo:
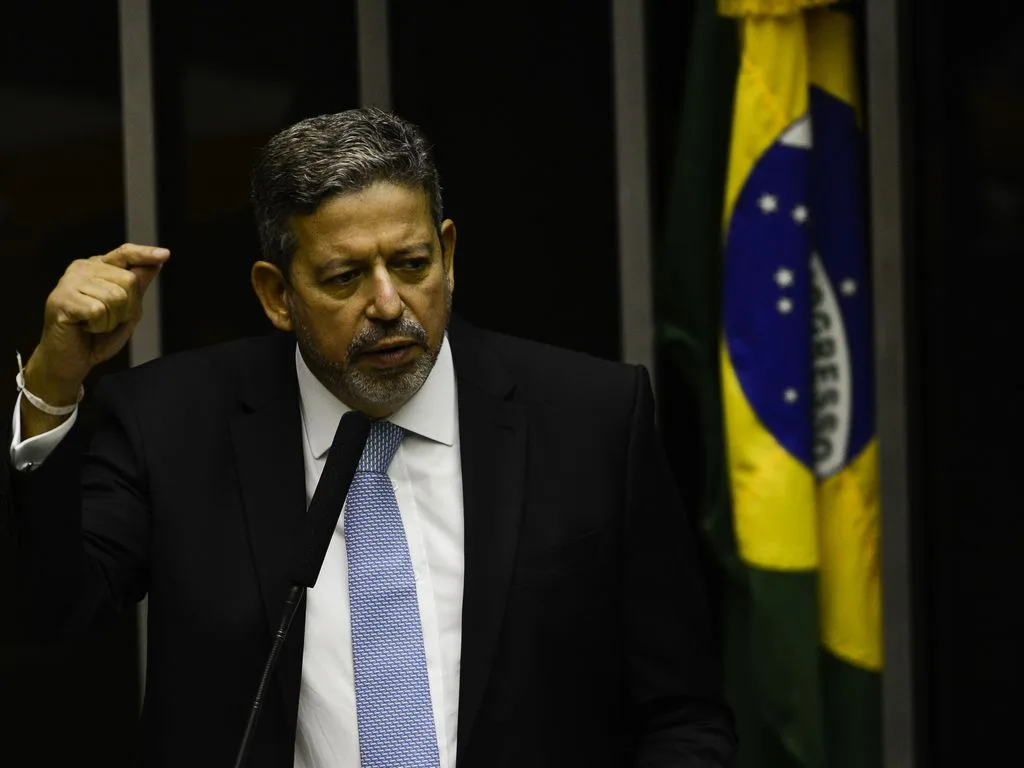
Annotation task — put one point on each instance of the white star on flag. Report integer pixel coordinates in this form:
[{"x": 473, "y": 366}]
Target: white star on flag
[
  {"x": 768, "y": 203},
  {"x": 790, "y": 395},
  {"x": 784, "y": 277},
  {"x": 800, "y": 214},
  {"x": 848, "y": 287},
  {"x": 785, "y": 306}
]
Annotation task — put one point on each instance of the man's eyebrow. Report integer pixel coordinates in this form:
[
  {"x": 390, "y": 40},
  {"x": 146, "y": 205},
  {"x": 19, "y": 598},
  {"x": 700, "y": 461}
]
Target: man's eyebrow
[
  {"x": 338, "y": 262},
  {"x": 425, "y": 248}
]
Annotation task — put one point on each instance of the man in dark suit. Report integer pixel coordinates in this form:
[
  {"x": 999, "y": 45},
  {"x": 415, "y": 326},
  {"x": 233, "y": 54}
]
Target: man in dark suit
[{"x": 513, "y": 581}]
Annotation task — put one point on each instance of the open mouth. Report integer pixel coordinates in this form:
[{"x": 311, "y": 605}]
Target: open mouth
[{"x": 389, "y": 354}]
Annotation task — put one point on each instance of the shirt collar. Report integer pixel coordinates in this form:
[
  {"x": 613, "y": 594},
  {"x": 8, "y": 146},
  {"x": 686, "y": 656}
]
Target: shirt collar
[{"x": 429, "y": 413}]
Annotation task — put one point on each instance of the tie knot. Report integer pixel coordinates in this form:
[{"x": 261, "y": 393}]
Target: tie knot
[{"x": 381, "y": 445}]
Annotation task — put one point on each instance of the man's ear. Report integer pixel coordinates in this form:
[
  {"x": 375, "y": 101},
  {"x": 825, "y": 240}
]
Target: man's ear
[
  {"x": 448, "y": 250},
  {"x": 271, "y": 289}
]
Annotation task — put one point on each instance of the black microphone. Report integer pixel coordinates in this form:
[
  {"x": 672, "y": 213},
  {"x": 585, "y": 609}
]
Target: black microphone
[{"x": 318, "y": 528}]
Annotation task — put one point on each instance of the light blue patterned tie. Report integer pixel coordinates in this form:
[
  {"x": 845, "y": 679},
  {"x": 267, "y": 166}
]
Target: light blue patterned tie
[{"x": 396, "y": 721}]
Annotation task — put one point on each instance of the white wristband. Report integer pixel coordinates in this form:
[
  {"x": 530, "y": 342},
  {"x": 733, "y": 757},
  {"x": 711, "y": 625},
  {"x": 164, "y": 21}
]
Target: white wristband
[{"x": 38, "y": 402}]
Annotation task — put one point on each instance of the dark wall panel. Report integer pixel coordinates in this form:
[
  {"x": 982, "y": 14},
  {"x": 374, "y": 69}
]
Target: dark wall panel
[
  {"x": 966, "y": 113},
  {"x": 228, "y": 76},
  {"x": 517, "y": 97}
]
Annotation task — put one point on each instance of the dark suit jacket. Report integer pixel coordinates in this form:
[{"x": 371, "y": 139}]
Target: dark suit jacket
[{"x": 585, "y": 631}]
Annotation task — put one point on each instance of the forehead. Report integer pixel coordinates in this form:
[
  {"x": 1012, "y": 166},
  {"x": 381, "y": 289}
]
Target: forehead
[{"x": 378, "y": 217}]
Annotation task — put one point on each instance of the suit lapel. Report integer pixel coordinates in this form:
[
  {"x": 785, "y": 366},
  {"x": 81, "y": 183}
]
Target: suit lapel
[
  {"x": 492, "y": 433},
  {"x": 268, "y": 450}
]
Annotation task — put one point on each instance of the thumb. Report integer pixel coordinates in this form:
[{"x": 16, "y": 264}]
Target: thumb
[{"x": 132, "y": 255}]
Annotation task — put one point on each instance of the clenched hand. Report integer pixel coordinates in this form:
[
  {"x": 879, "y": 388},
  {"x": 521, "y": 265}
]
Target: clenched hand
[{"x": 89, "y": 318}]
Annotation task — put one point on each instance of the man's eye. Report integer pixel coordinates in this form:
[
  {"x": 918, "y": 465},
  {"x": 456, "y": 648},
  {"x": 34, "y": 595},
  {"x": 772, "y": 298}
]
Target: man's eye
[
  {"x": 343, "y": 278},
  {"x": 418, "y": 263}
]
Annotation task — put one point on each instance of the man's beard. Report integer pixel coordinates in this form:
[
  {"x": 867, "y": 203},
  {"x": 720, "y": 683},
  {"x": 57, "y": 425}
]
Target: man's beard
[{"x": 380, "y": 389}]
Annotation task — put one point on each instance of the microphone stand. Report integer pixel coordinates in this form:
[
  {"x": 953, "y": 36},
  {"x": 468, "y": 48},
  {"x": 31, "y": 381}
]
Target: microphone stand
[{"x": 291, "y": 606}]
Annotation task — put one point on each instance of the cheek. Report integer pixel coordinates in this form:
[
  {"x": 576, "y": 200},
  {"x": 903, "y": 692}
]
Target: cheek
[
  {"x": 332, "y": 326},
  {"x": 427, "y": 303},
  {"x": 431, "y": 312}
]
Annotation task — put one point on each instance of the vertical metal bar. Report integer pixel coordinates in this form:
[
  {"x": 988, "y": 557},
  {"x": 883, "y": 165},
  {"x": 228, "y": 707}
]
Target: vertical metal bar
[
  {"x": 140, "y": 196},
  {"x": 374, "y": 53},
  {"x": 636, "y": 310},
  {"x": 884, "y": 140}
]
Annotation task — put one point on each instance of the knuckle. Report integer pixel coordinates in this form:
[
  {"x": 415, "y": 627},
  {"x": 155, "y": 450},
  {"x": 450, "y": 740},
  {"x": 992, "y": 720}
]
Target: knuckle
[
  {"x": 120, "y": 296},
  {"x": 81, "y": 270},
  {"x": 57, "y": 300}
]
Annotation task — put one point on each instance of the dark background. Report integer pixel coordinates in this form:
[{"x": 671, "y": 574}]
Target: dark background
[
  {"x": 61, "y": 197},
  {"x": 964, "y": 214},
  {"x": 517, "y": 98}
]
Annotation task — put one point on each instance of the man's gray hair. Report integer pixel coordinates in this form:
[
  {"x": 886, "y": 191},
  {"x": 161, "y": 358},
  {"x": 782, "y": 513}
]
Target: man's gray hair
[{"x": 323, "y": 156}]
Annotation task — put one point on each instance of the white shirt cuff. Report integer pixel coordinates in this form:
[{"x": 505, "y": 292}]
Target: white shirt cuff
[{"x": 26, "y": 455}]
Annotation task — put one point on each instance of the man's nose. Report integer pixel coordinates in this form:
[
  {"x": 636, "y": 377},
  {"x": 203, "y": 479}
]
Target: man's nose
[{"x": 385, "y": 304}]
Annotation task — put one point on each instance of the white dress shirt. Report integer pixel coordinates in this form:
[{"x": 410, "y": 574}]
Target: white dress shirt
[
  {"x": 427, "y": 475},
  {"x": 28, "y": 454}
]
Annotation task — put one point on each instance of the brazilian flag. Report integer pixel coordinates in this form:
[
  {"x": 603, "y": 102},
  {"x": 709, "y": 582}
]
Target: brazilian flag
[{"x": 781, "y": 358}]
